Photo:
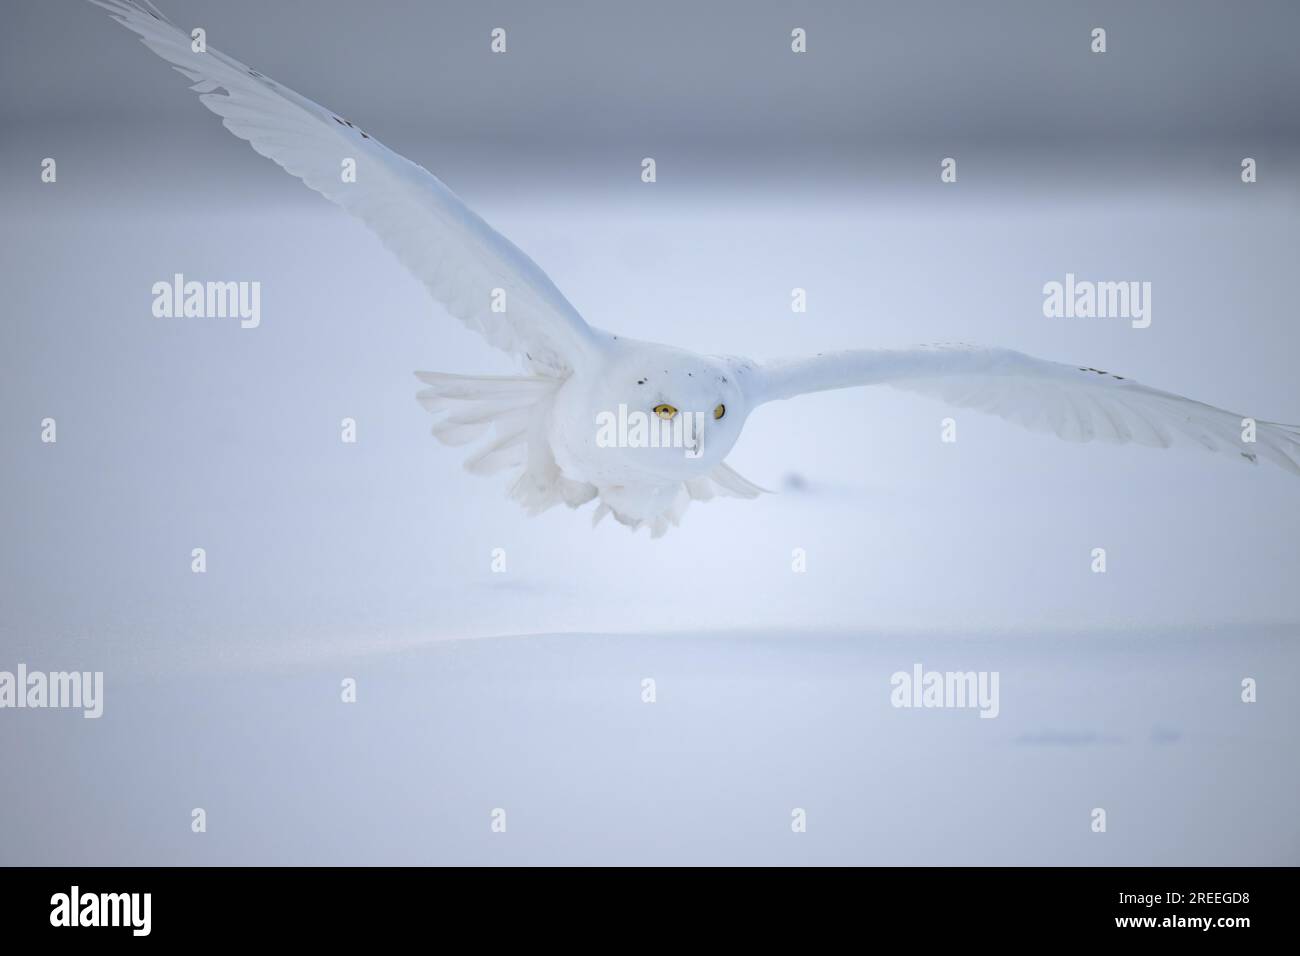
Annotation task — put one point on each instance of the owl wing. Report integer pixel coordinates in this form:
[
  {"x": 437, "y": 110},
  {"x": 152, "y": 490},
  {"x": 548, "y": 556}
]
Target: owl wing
[
  {"x": 461, "y": 260},
  {"x": 1073, "y": 402}
]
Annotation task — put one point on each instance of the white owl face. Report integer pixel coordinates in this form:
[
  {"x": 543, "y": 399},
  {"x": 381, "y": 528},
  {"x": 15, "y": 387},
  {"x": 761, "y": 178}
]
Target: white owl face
[{"x": 694, "y": 404}]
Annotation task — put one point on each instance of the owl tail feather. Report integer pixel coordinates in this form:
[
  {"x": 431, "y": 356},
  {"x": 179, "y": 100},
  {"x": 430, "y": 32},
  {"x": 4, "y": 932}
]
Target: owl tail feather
[{"x": 511, "y": 412}]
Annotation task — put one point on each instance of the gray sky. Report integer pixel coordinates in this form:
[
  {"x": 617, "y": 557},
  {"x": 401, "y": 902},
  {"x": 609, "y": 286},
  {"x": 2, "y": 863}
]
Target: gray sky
[{"x": 719, "y": 72}]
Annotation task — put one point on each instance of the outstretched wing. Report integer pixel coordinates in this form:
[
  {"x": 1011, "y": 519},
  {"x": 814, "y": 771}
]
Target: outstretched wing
[
  {"x": 1070, "y": 401},
  {"x": 458, "y": 256}
]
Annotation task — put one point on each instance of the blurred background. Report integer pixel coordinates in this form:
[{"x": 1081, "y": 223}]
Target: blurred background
[{"x": 522, "y": 690}]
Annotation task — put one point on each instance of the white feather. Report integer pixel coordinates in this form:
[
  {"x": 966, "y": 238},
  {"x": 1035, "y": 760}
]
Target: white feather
[
  {"x": 459, "y": 257},
  {"x": 1075, "y": 403}
]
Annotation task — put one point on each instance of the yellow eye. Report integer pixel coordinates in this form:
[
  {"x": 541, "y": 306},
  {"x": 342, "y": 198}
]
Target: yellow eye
[
  {"x": 665, "y": 411},
  {"x": 719, "y": 412}
]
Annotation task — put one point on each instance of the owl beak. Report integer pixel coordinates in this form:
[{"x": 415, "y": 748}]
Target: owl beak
[{"x": 694, "y": 440}]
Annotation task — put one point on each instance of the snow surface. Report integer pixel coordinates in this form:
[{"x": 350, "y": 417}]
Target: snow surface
[
  {"x": 746, "y": 726},
  {"x": 373, "y": 560}
]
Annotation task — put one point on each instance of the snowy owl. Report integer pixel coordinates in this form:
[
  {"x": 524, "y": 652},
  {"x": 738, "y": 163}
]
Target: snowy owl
[{"x": 551, "y": 428}]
